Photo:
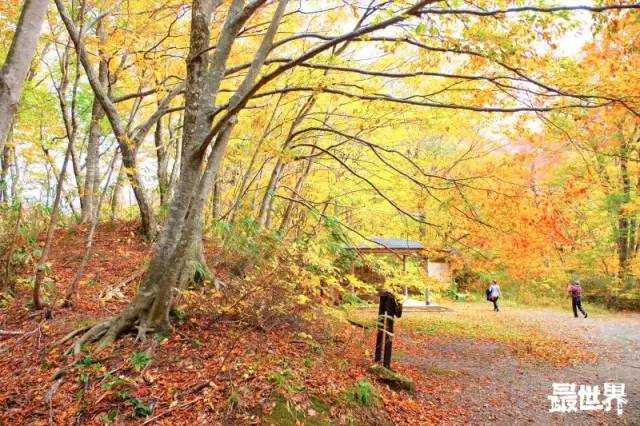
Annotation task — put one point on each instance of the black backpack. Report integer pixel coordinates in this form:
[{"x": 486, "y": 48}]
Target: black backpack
[{"x": 488, "y": 293}]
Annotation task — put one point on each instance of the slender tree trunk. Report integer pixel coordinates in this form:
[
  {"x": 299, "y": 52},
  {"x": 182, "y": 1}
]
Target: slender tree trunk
[
  {"x": 68, "y": 113},
  {"x": 4, "y": 172},
  {"x": 7, "y": 281},
  {"x": 41, "y": 267},
  {"x": 286, "y": 216},
  {"x": 242, "y": 188},
  {"x": 215, "y": 199},
  {"x": 95, "y": 218},
  {"x": 6, "y": 169},
  {"x": 18, "y": 62},
  {"x": 172, "y": 179},
  {"x": 91, "y": 180},
  {"x": 55, "y": 172},
  {"x": 127, "y": 149},
  {"x": 163, "y": 164},
  {"x": 623, "y": 219},
  {"x": 264, "y": 216},
  {"x": 115, "y": 197},
  {"x": 15, "y": 176}
]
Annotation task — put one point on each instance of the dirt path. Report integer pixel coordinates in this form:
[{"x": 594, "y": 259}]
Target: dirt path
[{"x": 497, "y": 387}]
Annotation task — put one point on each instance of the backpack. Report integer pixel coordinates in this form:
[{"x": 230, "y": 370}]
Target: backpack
[
  {"x": 488, "y": 293},
  {"x": 576, "y": 290}
]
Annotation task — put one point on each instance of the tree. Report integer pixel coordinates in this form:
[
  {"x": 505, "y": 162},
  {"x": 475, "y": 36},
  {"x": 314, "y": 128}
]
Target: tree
[
  {"x": 18, "y": 62},
  {"x": 128, "y": 141},
  {"x": 210, "y": 119}
]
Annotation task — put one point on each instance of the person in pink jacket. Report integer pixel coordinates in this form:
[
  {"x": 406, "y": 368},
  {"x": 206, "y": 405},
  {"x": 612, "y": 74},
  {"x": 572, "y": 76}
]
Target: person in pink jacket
[{"x": 575, "y": 291}]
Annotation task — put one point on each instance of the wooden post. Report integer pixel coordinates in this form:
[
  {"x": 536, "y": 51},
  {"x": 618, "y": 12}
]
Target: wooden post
[
  {"x": 404, "y": 269},
  {"x": 388, "y": 309}
]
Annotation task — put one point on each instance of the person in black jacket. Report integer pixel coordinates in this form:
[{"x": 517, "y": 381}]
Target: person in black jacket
[{"x": 389, "y": 308}]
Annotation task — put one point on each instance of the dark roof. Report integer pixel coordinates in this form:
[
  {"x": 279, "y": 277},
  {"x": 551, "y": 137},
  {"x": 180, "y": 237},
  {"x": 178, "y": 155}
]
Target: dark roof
[
  {"x": 389, "y": 245},
  {"x": 395, "y": 243}
]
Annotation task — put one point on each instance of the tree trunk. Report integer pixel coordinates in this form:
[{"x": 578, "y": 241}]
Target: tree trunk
[
  {"x": 163, "y": 164},
  {"x": 91, "y": 180},
  {"x": 624, "y": 261},
  {"x": 264, "y": 216},
  {"x": 44, "y": 257},
  {"x": 123, "y": 138},
  {"x": 244, "y": 182},
  {"x": 215, "y": 199},
  {"x": 15, "y": 176},
  {"x": 18, "y": 62},
  {"x": 286, "y": 216},
  {"x": 4, "y": 171},
  {"x": 174, "y": 251},
  {"x": 115, "y": 196}
]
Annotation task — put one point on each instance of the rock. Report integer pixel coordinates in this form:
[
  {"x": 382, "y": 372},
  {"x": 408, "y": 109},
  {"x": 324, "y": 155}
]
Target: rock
[{"x": 391, "y": 378}]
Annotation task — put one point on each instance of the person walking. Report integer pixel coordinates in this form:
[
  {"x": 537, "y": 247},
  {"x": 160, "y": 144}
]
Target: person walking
[
  {"x": 493, "y": 293},
  {"x": 575, "y": 291}
]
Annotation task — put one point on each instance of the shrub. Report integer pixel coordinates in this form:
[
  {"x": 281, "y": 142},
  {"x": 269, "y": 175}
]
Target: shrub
[{"x": 363, "y": 393}]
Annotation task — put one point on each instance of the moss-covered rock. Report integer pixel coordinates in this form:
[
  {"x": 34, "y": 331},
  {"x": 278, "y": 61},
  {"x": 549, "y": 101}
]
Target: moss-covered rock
[{"x": 391, "y": 378}]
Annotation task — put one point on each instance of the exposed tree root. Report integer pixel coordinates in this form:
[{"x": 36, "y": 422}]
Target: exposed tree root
[
  {"x": 49, "y": 397},
  {"x": 92, "y": 335},
  {"x": 148, "y": 311},
  {"x": 71, "y": 335}
]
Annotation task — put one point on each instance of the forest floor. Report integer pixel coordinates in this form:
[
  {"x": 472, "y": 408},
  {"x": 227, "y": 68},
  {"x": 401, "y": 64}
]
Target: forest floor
[{"x": 469, "y": 365}]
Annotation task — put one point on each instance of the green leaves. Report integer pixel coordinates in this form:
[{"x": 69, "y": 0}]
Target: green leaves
[{"x": 139, "y": 360}]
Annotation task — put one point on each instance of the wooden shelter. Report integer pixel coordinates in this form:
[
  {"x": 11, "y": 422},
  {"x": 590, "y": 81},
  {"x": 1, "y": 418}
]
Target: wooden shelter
[
  {"x": 397, "y": 246},
  {"x": 435, "y": 261}
]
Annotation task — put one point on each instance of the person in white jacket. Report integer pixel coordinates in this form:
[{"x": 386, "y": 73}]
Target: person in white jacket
[{"x": 493, "y": 294}]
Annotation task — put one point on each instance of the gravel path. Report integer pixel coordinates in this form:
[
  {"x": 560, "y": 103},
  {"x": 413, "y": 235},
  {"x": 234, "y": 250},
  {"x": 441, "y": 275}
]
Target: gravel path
[{"x": 495, "y": 387}]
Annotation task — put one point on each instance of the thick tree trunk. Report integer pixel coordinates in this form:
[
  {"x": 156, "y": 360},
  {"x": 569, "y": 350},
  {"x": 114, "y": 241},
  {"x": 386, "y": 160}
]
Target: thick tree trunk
[
  {"x": 149, "y": 308},
  {"x": 182, "y": 233},
  {"x": 18, "y": 62}
]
